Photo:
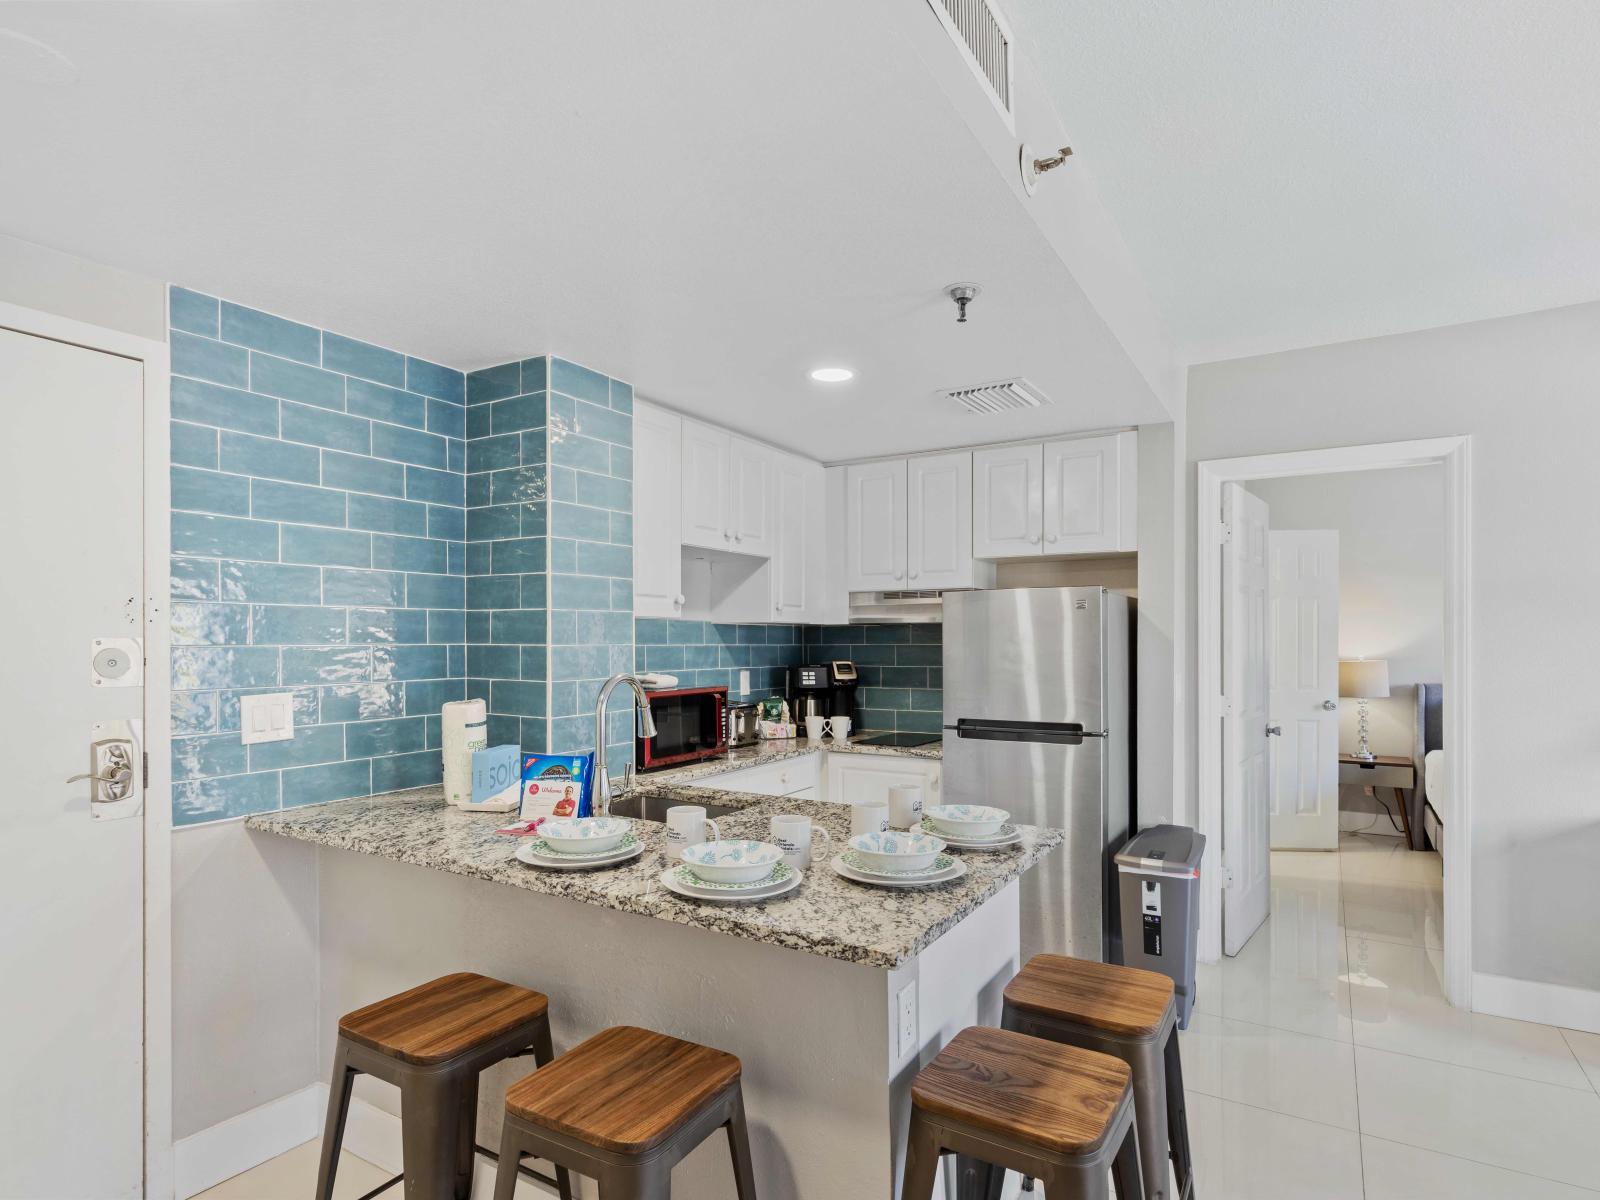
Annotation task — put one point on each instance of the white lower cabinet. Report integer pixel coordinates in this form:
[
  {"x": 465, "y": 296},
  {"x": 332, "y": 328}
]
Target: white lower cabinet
[
  {"x": 788, "y": 777},
  {"x": 867, "y": 778}
]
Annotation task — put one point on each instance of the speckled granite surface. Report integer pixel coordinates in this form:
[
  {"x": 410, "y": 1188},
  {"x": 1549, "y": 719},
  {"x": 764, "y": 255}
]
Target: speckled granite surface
[
  {"x": 826, "y": 915},
  {"x": 762, "y": 753}
]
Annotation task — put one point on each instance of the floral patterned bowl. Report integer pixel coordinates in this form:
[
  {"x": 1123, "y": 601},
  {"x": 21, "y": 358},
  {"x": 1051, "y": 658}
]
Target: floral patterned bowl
[
  {"x": 967, "y": 820},
  {"x": 576, "y": 835},
  {"x": 732, "y": 860},
  {"x": 893, "y": 850}
]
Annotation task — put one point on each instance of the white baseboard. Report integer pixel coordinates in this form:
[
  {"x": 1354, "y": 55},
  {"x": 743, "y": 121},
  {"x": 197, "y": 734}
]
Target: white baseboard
[
  {"x": 1545, "y": 1003},
  {"x": 206, "y": 1158}
]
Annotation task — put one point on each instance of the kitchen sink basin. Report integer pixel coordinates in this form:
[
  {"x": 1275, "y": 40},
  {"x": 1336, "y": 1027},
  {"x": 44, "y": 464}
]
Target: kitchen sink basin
[{"x": 645, "y": 806}]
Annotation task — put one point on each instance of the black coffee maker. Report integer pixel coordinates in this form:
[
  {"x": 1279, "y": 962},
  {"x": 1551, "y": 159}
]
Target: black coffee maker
[{"x": 822, "y": 690}]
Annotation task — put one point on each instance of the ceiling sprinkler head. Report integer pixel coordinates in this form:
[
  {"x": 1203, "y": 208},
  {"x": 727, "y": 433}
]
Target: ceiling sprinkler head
[{"x": 963, "y": 294}]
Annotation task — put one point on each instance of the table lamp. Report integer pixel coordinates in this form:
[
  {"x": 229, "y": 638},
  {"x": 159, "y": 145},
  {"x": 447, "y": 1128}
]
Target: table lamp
[{"x": 1364, "y": 679}]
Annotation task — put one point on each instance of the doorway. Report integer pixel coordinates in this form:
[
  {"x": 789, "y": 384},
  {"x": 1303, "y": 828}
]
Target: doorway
[
  {"x": 1236, "y": 763},
  {"x": 87, "y": 948}
]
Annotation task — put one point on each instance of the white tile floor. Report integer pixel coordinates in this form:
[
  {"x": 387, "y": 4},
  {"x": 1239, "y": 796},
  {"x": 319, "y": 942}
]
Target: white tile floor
[{"x": 1322, "y": 1063}]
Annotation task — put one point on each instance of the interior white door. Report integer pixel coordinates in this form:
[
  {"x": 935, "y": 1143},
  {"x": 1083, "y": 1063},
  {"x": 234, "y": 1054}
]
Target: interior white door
[
  {"x": 72, "y": 937},
  {"x": 939, "y": 521},
  {"x": 1303, "y": 588},
  {"x": 875, "y": 526},
  {"x": 750, "y": 516},
  {"x": 1247, "y": 894},
  {"x": 705, "y": 487},
  {"x": 1007, "y": 501},
  {"x": 657, "y": 524}
]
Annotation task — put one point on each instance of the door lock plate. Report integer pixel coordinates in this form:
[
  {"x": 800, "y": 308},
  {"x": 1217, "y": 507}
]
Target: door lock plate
[{"x": 116, "y": 662}]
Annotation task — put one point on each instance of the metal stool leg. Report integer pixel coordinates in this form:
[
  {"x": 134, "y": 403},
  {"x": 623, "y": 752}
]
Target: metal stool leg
[
  {"x": 543, "y": 1054},
  {"x": 430, "y": 1132},
  {"x": 1126, "y": 1170},
  {"x": 467, "y": 1137},
  {"x": 922, "y": 1161},
  {"x": 511, "y": 1151},
  {"x": 744, "y": 1170},
  {"x": 344, "y": 1077},
  {"x": 1178, "y": 1120}
]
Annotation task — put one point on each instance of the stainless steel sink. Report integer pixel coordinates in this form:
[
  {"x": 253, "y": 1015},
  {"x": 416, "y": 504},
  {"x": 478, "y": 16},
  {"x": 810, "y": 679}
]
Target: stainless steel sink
[{"x": 645, "y": 806}]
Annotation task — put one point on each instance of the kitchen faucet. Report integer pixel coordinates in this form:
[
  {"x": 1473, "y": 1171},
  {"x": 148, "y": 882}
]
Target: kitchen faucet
[{"x": 647, "y": 728}]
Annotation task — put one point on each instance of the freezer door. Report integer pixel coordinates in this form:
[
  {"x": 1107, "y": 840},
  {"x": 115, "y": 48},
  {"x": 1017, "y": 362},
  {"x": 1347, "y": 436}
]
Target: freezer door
[
  {"x": 1059, "y": 783},
  {"x": 1025, "y": 654}
]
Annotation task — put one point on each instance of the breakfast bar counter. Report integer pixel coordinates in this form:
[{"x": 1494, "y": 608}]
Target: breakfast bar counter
[{"x": 832, "y": 996}]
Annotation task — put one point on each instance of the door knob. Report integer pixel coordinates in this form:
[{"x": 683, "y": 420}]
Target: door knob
[
  {"x": 1274, "y": 730},
  {"x": 1330, "y": 705}
]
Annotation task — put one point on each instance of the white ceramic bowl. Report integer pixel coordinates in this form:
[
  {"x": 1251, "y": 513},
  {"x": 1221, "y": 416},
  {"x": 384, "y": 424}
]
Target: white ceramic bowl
[
  {"x": 732, "y": 860},
  {"x": 896, "y": 851},
  {"x": 967, "y": 820},
  {"x": 584, "y": 835}
]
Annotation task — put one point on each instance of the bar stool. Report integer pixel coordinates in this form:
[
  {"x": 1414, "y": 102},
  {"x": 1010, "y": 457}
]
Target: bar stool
[
  {"x": 1050, "y": 1111},
  {"x": 1129, "y": 1014},
  {"x": 431, "y": 1042},
  {"x": 622, "y": 1108}
]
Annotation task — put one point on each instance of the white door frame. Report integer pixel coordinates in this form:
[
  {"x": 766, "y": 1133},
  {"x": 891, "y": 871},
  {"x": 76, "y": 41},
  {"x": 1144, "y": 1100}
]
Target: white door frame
[
  {"x": 1454, "y": 453},
  {"x": 158, "y": 1180}
]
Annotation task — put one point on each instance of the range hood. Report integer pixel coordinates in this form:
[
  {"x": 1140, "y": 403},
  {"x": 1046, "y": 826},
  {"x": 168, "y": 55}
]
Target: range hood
[{"x": 897, "y": 608}]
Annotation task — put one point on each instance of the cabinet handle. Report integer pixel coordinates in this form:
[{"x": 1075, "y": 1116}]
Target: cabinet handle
[
  {"x": 913, "y": 574},
  {"x": 777, "y": 608},
  {"x": 739, "y": 537},
  {"x": 898, "y": 574},
  {"x": 1050, "y": 538},
  {"x": 1033, "y": 539},
  {"x": 726, "y": 536},
  {"x": 678, "y": 601}
]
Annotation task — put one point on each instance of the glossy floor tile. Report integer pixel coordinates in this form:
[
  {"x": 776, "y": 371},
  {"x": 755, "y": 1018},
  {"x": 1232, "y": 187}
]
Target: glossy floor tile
[
  {"x": 1245, "y": 1153},
  {"x": 1586, "y": 1047},
  {"x": 1270, "y": 1069},
  {"x": 1395, "y": 1172},
  {"x": 295, "y": 1174}
]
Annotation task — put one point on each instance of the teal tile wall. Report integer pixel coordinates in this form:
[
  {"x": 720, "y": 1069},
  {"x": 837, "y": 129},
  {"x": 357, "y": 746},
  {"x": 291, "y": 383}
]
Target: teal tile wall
[
  {"x": 711, "y": 654},
  {"x": 901, "y": 670},
  {"x": 318, "y": 495}
]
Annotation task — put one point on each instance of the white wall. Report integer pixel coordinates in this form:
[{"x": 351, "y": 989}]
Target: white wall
[
  {"x": 38, "y": 277},
  {"x": 1160, "y": 626},
  {"x": 1526, "y": 389}
]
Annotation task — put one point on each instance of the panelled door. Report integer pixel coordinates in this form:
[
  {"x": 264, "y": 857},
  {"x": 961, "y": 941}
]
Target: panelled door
[
  {"x": 1007, "y": 501},
  {"x": 939, "y": 521},
  {"x": 72, "y": 888},
  {"x": 875, "y": 526},
  {"x": 1303, "y": 588},
  {"x": 705, "y": 487},
  {"x": 658, "y": 523},
  {"x": 1247, "y": 892}
]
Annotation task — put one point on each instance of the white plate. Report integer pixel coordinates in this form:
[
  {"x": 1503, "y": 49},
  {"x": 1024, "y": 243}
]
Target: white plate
[
  {"x": 730, "y": 895},
  {"x": 861, "y": 865},
  {"x": 576, "y": 862},
  {"x": 1009, "y": 835},
  {"x": 896, "y": 881}
]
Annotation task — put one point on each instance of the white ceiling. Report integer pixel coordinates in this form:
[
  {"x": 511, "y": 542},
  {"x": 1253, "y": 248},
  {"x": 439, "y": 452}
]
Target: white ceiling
[
  {"x": 1290, "y": 174},
  {"x": 707, "y": 200}
]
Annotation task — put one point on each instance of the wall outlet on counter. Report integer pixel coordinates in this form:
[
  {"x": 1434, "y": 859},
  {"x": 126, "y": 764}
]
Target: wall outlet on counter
[
  {"x": 744, "y": 683},
  {"x": 906, "y": 1018}
]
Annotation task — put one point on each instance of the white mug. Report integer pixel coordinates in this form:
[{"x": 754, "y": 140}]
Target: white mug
[
  {"x": 686, "y": 826},
  {"x": 868, "y": 818},
  {"x": 815, "y": 727},
  {"x": 794, "y": 835},
  {"x": 840, "y": 727},
  {"x": 905, "y": 805}
]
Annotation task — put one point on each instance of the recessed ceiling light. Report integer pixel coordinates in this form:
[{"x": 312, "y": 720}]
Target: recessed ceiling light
[{"x": 832, "y": 374}]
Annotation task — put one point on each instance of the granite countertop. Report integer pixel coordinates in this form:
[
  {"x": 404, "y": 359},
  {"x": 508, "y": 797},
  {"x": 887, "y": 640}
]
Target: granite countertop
[
  {"x": 762, "y": 753},
  {"x": 826, "y": 915}
]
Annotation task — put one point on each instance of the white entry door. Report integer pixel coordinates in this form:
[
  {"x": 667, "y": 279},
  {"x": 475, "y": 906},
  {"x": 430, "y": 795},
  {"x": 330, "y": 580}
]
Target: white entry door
[
  {"x": 72, "y": 946},
  {"x": 1303, "y": 705},
  {"x": 1247, "y": 894}
]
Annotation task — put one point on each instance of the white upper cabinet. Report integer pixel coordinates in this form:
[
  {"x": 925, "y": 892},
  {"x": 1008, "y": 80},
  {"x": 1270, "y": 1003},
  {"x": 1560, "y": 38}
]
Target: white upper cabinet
[
  {"x": 1007, "y": 501},
  {"x": 657, "y": 523},
  {"x": 798, "y": 515},
  {"x": 875, "y": 526},
  {"x": 1074, "y": 496},
  {"x": 1091, "y": 495},
  {"x": 750, "y": 497},
  {"x": 705, "y": 487},
  {"x": 939, "y": 521}
]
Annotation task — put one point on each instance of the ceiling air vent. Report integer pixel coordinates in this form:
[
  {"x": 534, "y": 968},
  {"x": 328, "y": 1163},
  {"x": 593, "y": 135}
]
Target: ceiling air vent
[
  {"x": 1004, "y": 395},
  {"x": 982, "y": 35}
]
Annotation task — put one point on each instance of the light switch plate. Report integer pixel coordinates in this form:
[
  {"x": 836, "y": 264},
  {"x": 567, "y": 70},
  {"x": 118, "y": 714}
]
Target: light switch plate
[
  {"x": 906, "y": 1018},
  {"x": 268, "y": 718}
]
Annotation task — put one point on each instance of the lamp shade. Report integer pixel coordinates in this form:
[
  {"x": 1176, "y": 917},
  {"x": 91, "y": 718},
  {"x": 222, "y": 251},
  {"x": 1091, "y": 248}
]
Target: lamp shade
[{"x": 1364, "y": 678}]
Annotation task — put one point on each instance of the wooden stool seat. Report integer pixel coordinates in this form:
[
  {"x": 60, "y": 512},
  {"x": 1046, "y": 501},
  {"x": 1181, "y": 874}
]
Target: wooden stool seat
[
  {"x": 1125, "y": 1001},
  {"x": 1056, "y": 1097},
  {"x": 437, "y": 1021},
  {"x": 625, "y": 1090}
]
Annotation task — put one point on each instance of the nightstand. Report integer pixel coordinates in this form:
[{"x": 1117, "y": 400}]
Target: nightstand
[{"x": 1392, "y": 771}]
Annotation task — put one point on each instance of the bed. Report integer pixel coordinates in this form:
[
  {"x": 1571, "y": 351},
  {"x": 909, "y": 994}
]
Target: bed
[{"x": 1429, "y": 803}]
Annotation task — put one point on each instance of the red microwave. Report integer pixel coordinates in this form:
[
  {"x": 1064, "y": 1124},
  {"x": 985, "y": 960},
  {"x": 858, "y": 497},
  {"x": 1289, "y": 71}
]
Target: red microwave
[{"x": 691, "y": 724}]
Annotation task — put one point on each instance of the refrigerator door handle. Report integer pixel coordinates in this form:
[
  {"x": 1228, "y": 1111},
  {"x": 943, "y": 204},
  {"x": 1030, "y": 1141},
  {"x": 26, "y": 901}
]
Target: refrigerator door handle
[{"x": 1059, "y": 733}]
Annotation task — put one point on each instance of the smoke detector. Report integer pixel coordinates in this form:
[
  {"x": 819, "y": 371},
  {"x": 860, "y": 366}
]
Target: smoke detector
[{"x": 1001, "y": 396}]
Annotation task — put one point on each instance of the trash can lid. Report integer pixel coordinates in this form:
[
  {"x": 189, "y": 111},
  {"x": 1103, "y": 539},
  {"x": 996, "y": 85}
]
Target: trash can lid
[{"x": 1164, "y": 850}]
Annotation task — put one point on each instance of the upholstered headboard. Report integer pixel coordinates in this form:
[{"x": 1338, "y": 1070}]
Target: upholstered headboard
[{"x": 1429, "y": 736}]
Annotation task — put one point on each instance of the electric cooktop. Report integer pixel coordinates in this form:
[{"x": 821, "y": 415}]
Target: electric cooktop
[{"x": 904, "y": 740}]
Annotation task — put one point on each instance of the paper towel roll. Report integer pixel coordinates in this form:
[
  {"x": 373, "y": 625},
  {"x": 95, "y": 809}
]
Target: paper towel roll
[{"x": 465, "y": 729}]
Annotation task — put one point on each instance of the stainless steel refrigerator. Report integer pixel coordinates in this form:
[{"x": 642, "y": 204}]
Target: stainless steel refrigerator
[{"x": 1038, "y": 720}]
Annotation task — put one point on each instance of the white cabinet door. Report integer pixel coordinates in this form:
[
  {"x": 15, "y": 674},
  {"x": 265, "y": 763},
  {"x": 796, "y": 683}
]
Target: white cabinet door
[
  {"x": 750, "y": 492},
  {"x": 1007, "y": 501},
  {"x": 939, "y": 521},
  {"x": 875, "y": 526},
  {"x": 705, "y": 487},
  {"x": 1088, "y": 483},
  {"x": 658, "y": 523},
  {"x": 796, "y": 522},
  {"x": 867, "y": 778}
]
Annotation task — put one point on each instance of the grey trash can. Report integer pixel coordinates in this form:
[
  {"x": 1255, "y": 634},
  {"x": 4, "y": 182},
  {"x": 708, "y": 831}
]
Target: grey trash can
[{"x": 1159, "y": 876}]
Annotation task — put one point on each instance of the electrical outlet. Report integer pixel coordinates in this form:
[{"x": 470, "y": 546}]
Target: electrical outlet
[
  {"x": 744, "y": 683},
  {"x": 906, "y": 1018}
]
